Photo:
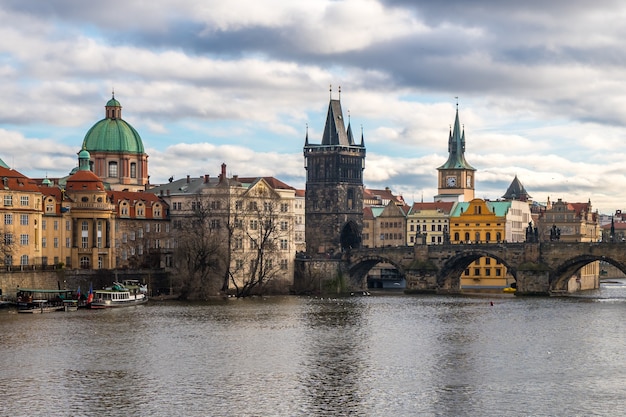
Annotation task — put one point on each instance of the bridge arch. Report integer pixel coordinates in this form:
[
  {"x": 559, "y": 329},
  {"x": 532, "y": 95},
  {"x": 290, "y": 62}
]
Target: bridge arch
[
  {"x": 449, "y": 276},
  {"x": 561, "y": 275},
  {"x": 359, "y": 268}
]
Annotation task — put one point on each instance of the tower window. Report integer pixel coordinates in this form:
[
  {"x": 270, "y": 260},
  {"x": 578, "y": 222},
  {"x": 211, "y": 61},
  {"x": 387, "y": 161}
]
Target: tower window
[
  {"x": 113, "y": 169},
  {"x": 133, "y": 170}
]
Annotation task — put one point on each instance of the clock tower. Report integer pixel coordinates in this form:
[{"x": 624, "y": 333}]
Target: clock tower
[{"x": 456, "y": 176}]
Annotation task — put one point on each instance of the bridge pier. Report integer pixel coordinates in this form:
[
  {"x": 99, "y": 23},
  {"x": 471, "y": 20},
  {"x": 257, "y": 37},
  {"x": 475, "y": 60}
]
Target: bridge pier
[{"x": 533, "y": 282}]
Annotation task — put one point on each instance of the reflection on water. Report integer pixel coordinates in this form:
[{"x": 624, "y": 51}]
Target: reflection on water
[{"x": 289, "y": 356}]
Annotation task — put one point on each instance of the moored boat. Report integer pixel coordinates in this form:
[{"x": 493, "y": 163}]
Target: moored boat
[
  {"x": 121, "y": 294},
  {"x": 44, "y": 301}
]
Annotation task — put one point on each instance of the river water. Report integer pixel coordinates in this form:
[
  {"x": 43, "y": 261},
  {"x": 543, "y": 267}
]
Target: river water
[{"x": 383, "y": 355}]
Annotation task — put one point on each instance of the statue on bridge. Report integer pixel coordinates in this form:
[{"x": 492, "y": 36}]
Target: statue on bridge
[
  {"x": 532, "y": 234},
  {"x": 555, "y": 233}
]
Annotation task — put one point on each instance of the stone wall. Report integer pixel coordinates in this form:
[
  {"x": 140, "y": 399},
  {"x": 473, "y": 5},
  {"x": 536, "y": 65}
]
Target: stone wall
[{"x": 72, "y": 279}]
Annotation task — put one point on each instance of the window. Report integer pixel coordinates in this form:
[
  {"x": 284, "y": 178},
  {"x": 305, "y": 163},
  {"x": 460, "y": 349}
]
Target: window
[
  {"x": 254, "y": 224},
  {"x": 24, "y": 219},
  {"x": 238, "y": 243},
  {"x": 24, "y": 239},
  {"x": 68, "y": 225},
  {"x": 8, "y": 219},
  {"x": 140, "y": 250},
  {"x": 84, "y": 242},
  {"x": 215, "y": 205},
  {"x": 239, "y": 205},
  {"x": 8, "y": 200},
  {"x": 55, "y": 225},
  {"x": 84, "y": 262},
  {"x": 68, "y": 242},
  {"x": 43, "y": 225},
  {"x": 476, "y": 271},
  {"x": 284, "y": 225},
  {"x": 283, "y": 244},
  {"x": 140, "y": 210},
  {"x": 284, "y": 264},
  {"x": 147, "y": 227},
  {"x": 24, "y": 200},
  {"x": 112, "y": 169},
  {"x": 157, "y": 227},
  {"x": 215, "y": 224},
  {"x": 284, "y": 207},
  {"x": 133, "y": 170},
  {"x": 56, "y": 242},
  {"x": 24, "y": 260},
  {"x": 43, "y": 242},
  {"x": 8, "y": 259},
  {"x": 239, "y": 264},
  {"x": 488, "y": 236}
]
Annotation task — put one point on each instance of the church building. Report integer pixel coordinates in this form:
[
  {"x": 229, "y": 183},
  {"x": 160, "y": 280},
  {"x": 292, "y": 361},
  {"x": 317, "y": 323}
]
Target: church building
[{"x": 116, "y": 151}]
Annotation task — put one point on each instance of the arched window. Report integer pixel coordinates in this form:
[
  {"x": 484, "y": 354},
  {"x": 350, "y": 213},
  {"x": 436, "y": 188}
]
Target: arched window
[
  {"x": 477, "y": 236},
  {"x": 498, "y": 236},
  {"x": 488, "y": 236},
  {"x": 84, "y": 262},
  {"x": 112, "y": 169},
  {"x": 467, "y": 237},
  {"x": 456, "y": 236}
]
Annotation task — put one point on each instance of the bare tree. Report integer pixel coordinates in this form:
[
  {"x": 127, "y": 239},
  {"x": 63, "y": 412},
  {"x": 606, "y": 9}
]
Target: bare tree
[
  {"x": 200, "y": 251},
  {"x": 259, "y": 239},
  {"x": 7, "y": 248}
]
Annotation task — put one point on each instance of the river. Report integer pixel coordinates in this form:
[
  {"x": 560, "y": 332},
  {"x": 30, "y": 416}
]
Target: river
[{"x": 383, "y": 355}]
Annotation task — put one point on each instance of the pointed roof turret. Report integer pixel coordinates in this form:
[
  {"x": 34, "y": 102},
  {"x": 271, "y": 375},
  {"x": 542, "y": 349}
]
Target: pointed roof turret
[
  {"x": 349, "y": 134},
  {"x": 456, "y": 147},
  {"x": 516, "y": 191},
  {"x": 335, "y": 132},
  {"x": 362, "y": 138}
]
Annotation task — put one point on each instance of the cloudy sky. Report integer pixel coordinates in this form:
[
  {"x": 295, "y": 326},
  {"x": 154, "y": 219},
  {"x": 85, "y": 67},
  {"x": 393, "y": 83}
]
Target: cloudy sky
[{"x": 541, "y": 87}]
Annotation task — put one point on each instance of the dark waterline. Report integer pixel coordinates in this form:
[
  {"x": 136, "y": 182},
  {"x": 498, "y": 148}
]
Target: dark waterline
[{"x": 295, "y": 356}]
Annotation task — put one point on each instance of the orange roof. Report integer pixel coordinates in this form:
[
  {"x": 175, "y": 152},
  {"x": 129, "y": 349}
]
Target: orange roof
[
  {"x": 16, "y": 181},
  {"x": 444, "y": 206},
  {"x": 83, "y": 180}
]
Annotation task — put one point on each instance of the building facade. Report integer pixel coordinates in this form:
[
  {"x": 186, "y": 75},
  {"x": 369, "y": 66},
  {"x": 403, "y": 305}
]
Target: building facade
[{"x": 21, "y": 242}]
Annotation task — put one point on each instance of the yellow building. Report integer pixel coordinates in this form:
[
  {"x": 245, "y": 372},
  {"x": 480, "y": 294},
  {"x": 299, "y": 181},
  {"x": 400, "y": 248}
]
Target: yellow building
[
  {"x": 480, "y": 221},
  {"x": 56, "y": 226},
  {"x": 21, "y": 219}
]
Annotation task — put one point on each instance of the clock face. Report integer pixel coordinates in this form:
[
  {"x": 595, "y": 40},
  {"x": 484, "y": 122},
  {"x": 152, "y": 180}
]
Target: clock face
[{"x": 451, "y": 181}]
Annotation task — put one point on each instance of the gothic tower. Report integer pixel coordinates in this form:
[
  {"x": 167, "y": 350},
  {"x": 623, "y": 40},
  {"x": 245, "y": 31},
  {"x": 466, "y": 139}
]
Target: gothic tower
[
  {"x": 456, "y": 176},
  {"x": 334, "y": 187}
]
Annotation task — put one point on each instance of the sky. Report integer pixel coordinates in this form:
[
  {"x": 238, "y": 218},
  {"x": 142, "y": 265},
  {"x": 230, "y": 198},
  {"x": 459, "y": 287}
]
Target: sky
[{"x": 539, "y": 85}]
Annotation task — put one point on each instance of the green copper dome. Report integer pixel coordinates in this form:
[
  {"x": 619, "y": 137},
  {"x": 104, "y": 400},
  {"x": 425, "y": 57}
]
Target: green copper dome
[
  {"x": 113, "y": 134},
  {"x": 113, "y": 103}
]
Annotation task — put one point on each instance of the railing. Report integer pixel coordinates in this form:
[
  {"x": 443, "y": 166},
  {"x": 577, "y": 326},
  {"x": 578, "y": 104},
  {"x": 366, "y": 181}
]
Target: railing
[{"x": 39, "y": 267}]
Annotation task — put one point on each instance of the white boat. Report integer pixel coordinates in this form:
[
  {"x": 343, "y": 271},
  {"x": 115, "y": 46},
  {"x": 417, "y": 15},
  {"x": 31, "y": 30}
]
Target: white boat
[
  {"x": 121, "y": 294},
  {"x": 44, "y": 301}
]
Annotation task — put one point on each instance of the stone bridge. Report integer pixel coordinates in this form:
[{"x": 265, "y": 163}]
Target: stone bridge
[{"x": 538, "y": 268}]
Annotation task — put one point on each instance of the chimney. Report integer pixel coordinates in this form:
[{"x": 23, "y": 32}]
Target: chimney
[
  {"x": 223, "y": 170},
  {"x": 187, "y": 179},
  {"x": 206, "y": 178},
  {"x": 236, "y": 177}
]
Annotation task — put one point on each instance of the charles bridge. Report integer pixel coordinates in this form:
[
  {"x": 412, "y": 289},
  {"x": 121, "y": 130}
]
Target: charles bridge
[{"x": 538, "y": 268}]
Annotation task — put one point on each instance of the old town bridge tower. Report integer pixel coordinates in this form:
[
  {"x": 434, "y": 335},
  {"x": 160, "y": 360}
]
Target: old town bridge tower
[{"x": 334, "y": 187}]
